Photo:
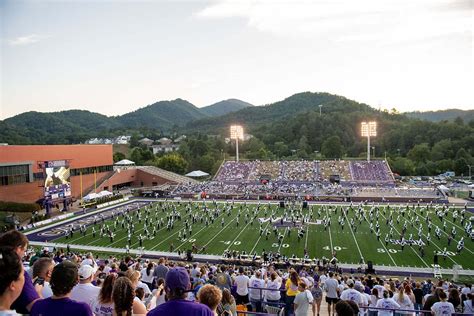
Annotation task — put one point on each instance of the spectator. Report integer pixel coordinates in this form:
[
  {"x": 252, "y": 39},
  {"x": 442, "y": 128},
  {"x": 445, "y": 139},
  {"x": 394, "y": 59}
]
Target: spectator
[
  {"x": 123, "y": 297},
  {"x": 332, "y": 292},
  {"x": 443, "y": 307},
  {"x": 317, "y": 293},
  {"x": 373, "y": 301},
  {"x": 387, "y": 303},
  {"x": 29, "y": 294},
  {"x": 455, "y": 298},
  {"x": 343, "y": 308},
  {"x": 159, "y": 297},
  {"x": 468, "y": 308},
  {"x": 256, "y": 292},
  {"x": 404, "y": 301},
  {"x": 430, "y": 300},
  {"x": 12, "y": 280},
  {"x": 291, "y": 287},
  {"x": 228, "y": 306},
  {"x": 223, "y": 280},
  {"x": 418, "y": 292},
  {"x": 303, "y": 300},
  {"x": 134, "y": 277},
  {"x": 242, "y": 281},
  {"x": 273, "y": 289},
  {"x": 148, "y": 276},
  {"x": 161, "y": 269},
  {"x": 103, "y": 304},
  {"x": 177, "y": 283},
  {"x": 351, "y": 294},
  {"x": 85, "y": 291},
  {"x": 210, "y": 296},
  {"x": 42, "y": 269},
  {"x": 63, "y": 279}
]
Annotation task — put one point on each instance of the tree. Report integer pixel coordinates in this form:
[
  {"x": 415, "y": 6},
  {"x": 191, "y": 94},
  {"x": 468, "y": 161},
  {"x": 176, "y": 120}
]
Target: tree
[
  {"x": 118, "y": 156},
  {"x": 420, "y": 153},
  {"x": 402, "y": 166},
  {"x": 172, "y": 162},
  {"x": 280, "y": 149},
  {"x": 332, "y": 147},
  {"x": 136, "y": 156}
]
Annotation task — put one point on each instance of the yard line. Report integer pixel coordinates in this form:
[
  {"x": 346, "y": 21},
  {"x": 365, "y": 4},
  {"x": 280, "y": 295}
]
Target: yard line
[
  {"x": 284, "y": 235},
  {"x": 442, "y": 230},
  {"x": 219, "y": 232},
  {"x": 329, "y": 227},
  {"x": 243, "y": 229},
  {"x": 353, "y": 236},
  {"x": 410, "y": 245},
  {"x": 381, "y": 242},
  {"x": 254, "y": 246},
  {"x": 306, "y": 241}
]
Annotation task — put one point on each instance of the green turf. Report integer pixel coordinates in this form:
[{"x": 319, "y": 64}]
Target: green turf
[{"x": 350, "y": 245}]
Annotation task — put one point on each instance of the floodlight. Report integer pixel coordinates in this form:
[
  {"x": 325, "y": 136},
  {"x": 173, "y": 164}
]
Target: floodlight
[
  {"x": 369, "y": 129},
  {"x": 236, "y": 132}
]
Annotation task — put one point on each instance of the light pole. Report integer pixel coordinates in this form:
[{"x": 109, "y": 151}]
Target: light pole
[
  {"x": 470, "y": 166},
  {"x": 373, "y": 153},
  {"x": 236, "y": 132},
  {"x": 320, "y": 106},
  {"x": 369, "y": 129}
]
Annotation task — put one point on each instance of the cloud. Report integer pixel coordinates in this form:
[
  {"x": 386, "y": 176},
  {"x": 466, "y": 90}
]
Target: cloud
[
  {"x": 346, "y": 20},
  {"x": 26, "y": 40}
]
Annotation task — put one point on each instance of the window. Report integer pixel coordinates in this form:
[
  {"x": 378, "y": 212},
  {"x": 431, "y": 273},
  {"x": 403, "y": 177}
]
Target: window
[{"x": 14, "y": 174}]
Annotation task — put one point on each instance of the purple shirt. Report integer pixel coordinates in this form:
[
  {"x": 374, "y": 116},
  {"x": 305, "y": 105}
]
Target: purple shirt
[
  {"x": 181, "y": 307},
  {"x": 28, "y": 294},
  {"x": 60, "y": 307}
]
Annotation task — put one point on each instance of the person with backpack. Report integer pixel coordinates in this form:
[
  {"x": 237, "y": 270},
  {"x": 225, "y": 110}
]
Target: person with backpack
[{"x": 303, "y": 300}]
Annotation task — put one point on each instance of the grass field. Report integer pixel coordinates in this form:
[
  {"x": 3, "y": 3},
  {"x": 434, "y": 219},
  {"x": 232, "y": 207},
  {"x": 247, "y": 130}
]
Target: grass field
[{"x": 349, "y": 242}]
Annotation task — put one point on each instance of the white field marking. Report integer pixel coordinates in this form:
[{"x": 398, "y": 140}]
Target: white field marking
[
  {"x": 329, "y": 228},
  {"x": 383, "y": 244},
  {"x": 353, "y": 236},
  {"x": 259, "y": 237},
  {"x": 306, "y": 241},
  {"x": 409, "y": 245},
  {"x": 442, "y": 230},
  {"x": 241, "y": 231},
  {"x": 284, "y": 235},
  {"x": 219, "y": 232},
  {"x": 206, "y": 227}
]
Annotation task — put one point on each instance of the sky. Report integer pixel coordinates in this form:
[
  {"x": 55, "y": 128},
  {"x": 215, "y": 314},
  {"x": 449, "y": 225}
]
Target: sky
[{"x": 113, "y": 57}]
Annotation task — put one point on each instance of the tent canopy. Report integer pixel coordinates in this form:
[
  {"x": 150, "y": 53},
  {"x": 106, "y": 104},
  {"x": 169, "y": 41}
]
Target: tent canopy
[
  {"x": 124, "y": 162},
  {"x": 197, "y": 174}
]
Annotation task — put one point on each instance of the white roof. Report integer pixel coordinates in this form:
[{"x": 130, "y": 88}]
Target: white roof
[
  {"x": 197, "y": 174},
  {"x": 124, "y": 162}
]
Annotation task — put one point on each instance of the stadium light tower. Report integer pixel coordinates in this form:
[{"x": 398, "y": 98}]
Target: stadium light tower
[
  {"x": 236, "y": 132},
  {"x": 369, "y": 129}
]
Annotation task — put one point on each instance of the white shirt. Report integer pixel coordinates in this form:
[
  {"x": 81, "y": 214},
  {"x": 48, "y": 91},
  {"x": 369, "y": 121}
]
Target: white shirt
[
  {"x": 47, "y": 291},
  {"x": 442, "y": 308},
  {"x": 352, "y": 295},
  {"x": 405, "y": 303},
  {"x": 147, "y": 278},
  {"x": 100, "y": 309},
  {"x": 145, "y": 287},
  {"x": 85, "y": 293},
  {"x": 331, "y": 287},
  {"x": 242, "y": 282},
  {"x": 273, "y": 295},
  {"x": 258, "y": 283},
  {"x": 386, "y": 303}
]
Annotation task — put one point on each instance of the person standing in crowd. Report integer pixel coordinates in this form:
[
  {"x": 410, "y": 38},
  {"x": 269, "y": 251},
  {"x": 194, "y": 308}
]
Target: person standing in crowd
[
  {"x": 443, "y": 307},
  {"x": 303, "y": 300},
  {"x": 227, "y": 306},
  {"x": 210, "y": 296},
  {"x": 123, "y": 297},
  {"x": 256, "y": 294},
  {"x": 30, "y": 293},
  {"x": 331, "y": 285},
  {"x": 85, "y": 291},
  {"x": 177, "y": 284},
  {"x": 418, "y": 292},
  {"x": 103, "y": 304},
  {"x": 12, "y": 280},
  {"x": 138, "y": 306},
  {"x": 317, "y": 293},
  {"x": 272, "y": 294},
  {"x": 403, "y": 300},
  {"x": 387, "y": 303},
  {"x": 350, "y": 294},
  {"x": 161, "y": 269},
  {"x": 63, "y": 279},
  {"x": 468, "y": 308},
  {"x": 291, "y": 287},
  {"x": 42, "y": 269},
  {"x": 148, "y": 276},
  {"x": 223, "y": 279},
  {"x": 242, "y": 282}
]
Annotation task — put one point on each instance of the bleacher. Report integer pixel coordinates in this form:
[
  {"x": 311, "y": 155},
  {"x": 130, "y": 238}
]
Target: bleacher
[{"x": 167, "y": 175}]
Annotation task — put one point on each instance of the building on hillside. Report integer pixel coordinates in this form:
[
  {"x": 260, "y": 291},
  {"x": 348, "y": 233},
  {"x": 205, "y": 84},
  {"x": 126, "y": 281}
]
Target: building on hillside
[
  {"x": 165, "y": 141},
  {"x": 146, "y": 141},
  {"x": 64, "y": 173},
  {"x": 180, "y": 139},
  {"x": 160, "y": 149}
]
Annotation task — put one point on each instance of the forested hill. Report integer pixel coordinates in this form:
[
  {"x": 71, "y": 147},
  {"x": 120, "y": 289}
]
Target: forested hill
[
  {"x": 443, "y": 115},
  {"x": 224, "y": 107}
]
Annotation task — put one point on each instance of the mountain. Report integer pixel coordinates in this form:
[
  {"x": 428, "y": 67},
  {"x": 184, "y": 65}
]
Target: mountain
[
  {"x": 443, "y": 115},
  {"x": 225, "y": 107},
  {"x": 162, "y": 115},
  {"x": 289, "y": 107}
]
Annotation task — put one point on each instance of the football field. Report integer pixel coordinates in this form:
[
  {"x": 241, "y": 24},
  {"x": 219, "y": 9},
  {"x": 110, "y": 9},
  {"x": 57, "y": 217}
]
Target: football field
[{"x": 214, "y": 228}]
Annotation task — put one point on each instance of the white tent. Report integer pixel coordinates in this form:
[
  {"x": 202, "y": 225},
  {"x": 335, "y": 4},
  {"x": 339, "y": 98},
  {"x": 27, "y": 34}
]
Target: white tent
[
  {"x": 197, "y": 174},
  {"x": 91, "y": 196},
  {"x": 104, "y": 193},
  {"x": 124, "y": 162}
]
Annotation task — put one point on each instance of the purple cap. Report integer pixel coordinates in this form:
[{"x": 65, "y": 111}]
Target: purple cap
[{"x": 177, "y": 278}]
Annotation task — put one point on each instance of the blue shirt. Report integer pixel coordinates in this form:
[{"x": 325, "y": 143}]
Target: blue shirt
[
  {"x": 181, "y": 308},
  {"x": 60, "y": 307}
]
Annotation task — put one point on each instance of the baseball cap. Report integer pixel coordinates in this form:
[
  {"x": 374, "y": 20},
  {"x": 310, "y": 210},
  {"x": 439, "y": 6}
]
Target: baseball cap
[
  {"x": 177, "y": 278},
  {"x": 85, "y": 272},
  {"x": 350, "y": 282}
]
